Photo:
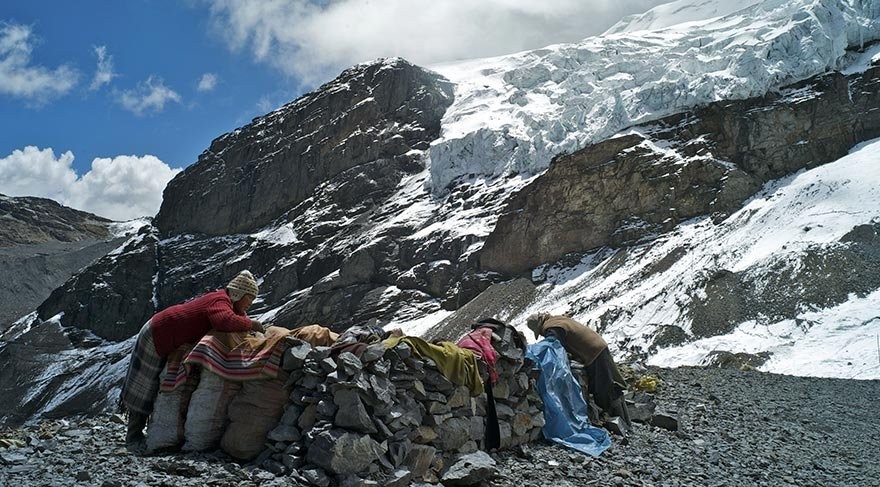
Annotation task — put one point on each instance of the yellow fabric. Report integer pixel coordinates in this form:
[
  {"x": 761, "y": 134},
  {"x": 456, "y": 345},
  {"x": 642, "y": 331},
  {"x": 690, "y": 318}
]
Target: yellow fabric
[
  {"x": 455, "y": 363},
  {"x": 11, "y": 443},
  {"x": 315, "y": 335},
  {"x": 647, "y": 383}
]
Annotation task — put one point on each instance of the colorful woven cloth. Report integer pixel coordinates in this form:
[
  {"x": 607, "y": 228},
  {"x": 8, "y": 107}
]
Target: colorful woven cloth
[
  {"x": 232, "y": 356},
  {"x": 479, "y": 341}
]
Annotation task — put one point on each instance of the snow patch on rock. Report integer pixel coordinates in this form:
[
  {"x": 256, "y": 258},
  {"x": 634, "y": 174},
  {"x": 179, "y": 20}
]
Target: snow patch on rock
[{"x": 130, "y": 227}]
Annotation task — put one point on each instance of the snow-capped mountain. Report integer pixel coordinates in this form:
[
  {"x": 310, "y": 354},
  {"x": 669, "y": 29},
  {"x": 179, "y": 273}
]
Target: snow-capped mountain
[
  {"x": 678, "y": 13},
  {"x": 686, "y": 189}
]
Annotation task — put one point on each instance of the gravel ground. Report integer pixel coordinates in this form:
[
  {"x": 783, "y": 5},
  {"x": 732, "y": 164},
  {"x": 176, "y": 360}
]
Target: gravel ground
[{"x": 736, "y": 428}]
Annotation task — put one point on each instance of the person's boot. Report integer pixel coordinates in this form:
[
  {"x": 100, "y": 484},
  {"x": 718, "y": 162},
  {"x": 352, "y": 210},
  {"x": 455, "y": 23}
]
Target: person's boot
[
  {"x": 618, "y": 408},
  {"x": 134, "y": 435}
]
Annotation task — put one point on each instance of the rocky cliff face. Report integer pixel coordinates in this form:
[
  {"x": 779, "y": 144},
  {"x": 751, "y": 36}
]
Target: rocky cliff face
[
  {"x": 336, "y": 156},
  {"x": 706, "y": 161},
  {"x": 110, "y": 295},
  {"x": 249, "y": 177}
]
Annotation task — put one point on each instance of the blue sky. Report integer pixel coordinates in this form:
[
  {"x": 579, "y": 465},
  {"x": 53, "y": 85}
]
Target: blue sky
[
  {"x": 169, "y": 41},
  {"x": 103, "y": 102}
]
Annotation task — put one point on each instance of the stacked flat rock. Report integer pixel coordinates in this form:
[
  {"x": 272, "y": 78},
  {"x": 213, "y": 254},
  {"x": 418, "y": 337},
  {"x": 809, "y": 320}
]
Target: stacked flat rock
[
  {"x": 517, "y": 402},
  {"x": 390, "y": 417}
]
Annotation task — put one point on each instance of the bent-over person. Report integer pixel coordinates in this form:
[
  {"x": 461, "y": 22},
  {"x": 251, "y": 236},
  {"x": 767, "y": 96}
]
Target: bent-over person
[
  {"x": 222, "y": 310},
  {"x": 605, "y": 383}
]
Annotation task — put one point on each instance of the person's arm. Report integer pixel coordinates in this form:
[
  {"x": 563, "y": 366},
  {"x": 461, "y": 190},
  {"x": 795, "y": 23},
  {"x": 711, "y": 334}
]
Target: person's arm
[
  {"x": 557, "y": 333},
  {"x": 223, "y": 318}
]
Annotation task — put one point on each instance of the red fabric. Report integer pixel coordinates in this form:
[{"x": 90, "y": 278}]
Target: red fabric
[
  {"x": 479, "y": 341},
  {"x": 188, "y": 322}
]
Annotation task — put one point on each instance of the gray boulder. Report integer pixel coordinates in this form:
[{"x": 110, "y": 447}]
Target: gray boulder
[
  {"x": 352, "y": 413},
  {"x": 471, "y": 469},
  {"x": 343, "y": 453}
]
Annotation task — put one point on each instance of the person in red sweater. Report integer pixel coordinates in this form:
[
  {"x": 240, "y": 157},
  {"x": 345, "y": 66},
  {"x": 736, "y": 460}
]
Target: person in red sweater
[{"x": 222, "y": 310}]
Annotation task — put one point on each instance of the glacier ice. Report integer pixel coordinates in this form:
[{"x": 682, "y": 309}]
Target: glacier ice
[{"x": 512, "y": 114}]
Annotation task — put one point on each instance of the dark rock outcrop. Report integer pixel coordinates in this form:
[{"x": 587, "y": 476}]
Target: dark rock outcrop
[
  {"x": 249, "y": 177},
  {"x": 820, "y": 277},
  {"x": 114, "y": 296},
  {"x": 706, "y": 161},
  {"x": 667, "y": 336},
  {"x": 727, "y": 360}
]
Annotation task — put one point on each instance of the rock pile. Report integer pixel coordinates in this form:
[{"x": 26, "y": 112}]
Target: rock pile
[{"x": 390, "y": 417}]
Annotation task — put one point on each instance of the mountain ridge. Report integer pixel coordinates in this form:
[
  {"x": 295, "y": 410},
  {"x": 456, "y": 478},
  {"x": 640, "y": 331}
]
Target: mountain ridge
[{"x": 32, "y": 220}]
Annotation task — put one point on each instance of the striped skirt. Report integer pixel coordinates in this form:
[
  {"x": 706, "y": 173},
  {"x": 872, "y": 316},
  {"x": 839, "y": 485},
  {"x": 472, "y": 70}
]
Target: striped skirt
[{"x": 142, "y": 379}]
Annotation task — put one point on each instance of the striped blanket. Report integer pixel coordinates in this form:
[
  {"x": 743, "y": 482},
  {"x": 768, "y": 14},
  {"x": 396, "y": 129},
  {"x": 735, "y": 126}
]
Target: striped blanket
[{"x": 238, "y": 357}]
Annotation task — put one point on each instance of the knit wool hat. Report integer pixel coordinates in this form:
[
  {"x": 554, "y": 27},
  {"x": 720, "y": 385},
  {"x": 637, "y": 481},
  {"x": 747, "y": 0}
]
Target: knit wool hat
[{"x": 243, "y": 283}]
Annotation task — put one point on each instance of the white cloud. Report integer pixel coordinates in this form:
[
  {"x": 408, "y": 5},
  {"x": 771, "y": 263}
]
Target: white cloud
[
  {"x": 120, "y": 188},
  {"x": 265, "y": 104},
  {"x": 20, "y": 78},
  {"x": 104, "y": 72},
  {"x": 313, "y": 39},
  {"x": 123, "y": 187},
  {"x": 207, "y": 82},
  {"x": 149, "y": 96},
  {"x": 35, "y": 172}
]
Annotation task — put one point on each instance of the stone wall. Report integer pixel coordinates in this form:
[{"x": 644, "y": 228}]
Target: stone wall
[{"x": 390, "y": 417}]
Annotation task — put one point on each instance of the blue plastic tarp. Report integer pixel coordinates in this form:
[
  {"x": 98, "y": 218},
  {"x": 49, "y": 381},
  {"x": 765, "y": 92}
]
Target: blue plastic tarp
[{"x": 565, "y": 411}]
